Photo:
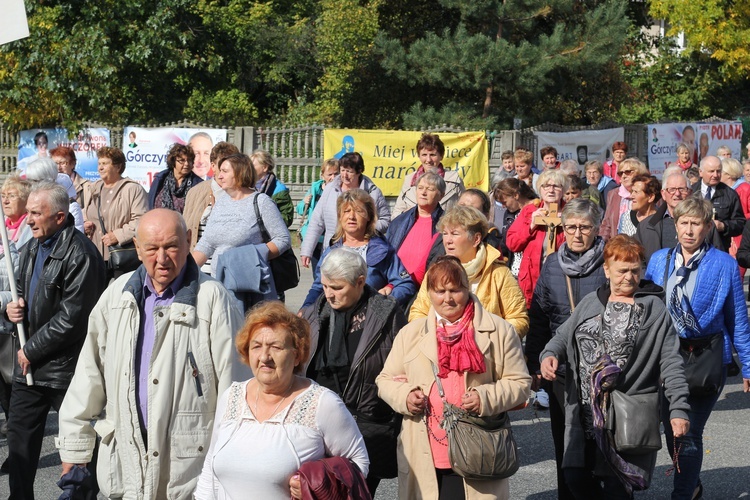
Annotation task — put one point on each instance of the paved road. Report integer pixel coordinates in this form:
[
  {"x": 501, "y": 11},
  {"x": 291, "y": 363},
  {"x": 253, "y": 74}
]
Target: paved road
[{"x": 726, "y": 466}]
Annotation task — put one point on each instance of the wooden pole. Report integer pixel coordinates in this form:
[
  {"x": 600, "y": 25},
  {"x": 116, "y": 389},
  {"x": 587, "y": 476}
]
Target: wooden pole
[{"x": 14, "y": 292}]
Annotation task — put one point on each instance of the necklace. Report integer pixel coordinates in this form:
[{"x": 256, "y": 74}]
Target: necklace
[{"x": 257, "y": 396}]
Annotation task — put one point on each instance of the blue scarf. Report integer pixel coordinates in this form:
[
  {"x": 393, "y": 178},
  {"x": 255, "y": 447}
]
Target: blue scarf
[{"x": 679, "y": 305}]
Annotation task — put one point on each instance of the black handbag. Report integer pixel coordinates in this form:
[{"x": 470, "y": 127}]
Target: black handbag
[
  {"x": 285, "y": 267},
  {"x": 634, "y": 422},
  {"x": 122, "y": 258},
  {"x": 380, "y": 440},
  {"x": 703, "y": 359},
  {"x": 478, "y": 447}
]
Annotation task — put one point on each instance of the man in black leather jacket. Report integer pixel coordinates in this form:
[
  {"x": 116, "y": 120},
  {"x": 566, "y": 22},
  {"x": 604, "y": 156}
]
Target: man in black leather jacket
[{"x": 61, "y": 276}]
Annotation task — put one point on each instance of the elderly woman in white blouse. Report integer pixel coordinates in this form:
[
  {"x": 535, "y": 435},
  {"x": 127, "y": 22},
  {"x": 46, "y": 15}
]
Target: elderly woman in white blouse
[{"x": 268, "y": 426}]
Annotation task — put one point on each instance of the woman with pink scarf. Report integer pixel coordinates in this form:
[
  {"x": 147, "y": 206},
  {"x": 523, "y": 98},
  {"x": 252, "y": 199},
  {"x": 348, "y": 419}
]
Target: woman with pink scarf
[
  {"x": 619, "y": 200},
  {"x": 15, "y": 192},
  {"x": 479, "y": 360}
]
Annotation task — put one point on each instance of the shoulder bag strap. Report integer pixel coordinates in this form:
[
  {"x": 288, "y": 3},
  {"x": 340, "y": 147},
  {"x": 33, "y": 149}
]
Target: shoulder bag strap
[
  {"x": 99, "y": 212},
  {"x": 263, "y": 232},
  {"x": 437, "y": 381},
  {"x": 570, "y": 294},
  {"x": 666, "y": 269}
]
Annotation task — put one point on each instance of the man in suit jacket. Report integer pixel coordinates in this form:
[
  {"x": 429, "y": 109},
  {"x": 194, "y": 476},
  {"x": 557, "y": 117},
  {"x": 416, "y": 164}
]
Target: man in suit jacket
[{"x": 729, "y": 219}]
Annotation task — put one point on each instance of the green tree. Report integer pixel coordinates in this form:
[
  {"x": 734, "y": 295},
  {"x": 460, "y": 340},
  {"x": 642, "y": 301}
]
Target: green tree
[
  {"x": 502, "y": 59},
  {"x": 719, "y": 28}
]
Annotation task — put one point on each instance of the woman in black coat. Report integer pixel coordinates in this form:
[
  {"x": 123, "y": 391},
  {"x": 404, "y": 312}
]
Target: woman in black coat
[
  {"x": 352, "y": 328},
  {"x": 567, "y": 276}
]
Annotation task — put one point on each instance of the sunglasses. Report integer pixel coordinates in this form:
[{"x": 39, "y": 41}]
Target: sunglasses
[{"x": 625, "y": 172}]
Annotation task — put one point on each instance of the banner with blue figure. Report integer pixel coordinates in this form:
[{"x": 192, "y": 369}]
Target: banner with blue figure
[{"x": 38, "y": 143}]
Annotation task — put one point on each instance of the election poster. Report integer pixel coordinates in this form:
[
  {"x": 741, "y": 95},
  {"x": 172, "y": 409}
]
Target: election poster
[
  {"x": 391, "y": 155},
  {"x": 13, "y": 22},
  {"x": 38, "y": 143},
  {"x": 701, "y": 139},
  {"x": 581, "y": 145},
  {"x": 146, "y": 150}
]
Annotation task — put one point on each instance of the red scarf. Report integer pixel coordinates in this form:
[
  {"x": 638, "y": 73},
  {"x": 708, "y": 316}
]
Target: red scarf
[
  {"x": 421, "y": 170},
  {"x": 685, "y": 166},
  {"x": 457, "y": 349}
]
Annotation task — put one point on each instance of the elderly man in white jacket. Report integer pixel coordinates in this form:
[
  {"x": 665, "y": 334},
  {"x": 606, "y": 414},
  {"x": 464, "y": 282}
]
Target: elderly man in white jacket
[{"x": 158, "y": 352}]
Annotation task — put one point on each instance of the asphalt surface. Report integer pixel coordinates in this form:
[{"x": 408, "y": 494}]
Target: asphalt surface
[{"x": 726, "y": 465}]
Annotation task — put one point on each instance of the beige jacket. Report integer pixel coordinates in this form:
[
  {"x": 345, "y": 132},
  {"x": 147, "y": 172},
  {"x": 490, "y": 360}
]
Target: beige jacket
[
  {"x": 83, "y": 192},
  {"x": 197, "y": 200},
  {"x": 201, "y": 321},
  {"x": 504, "y": 385},
  {"x": 497, "y": 289},
  {"x": 130, "y": 203},
  {"x": 454, "y": 187}
]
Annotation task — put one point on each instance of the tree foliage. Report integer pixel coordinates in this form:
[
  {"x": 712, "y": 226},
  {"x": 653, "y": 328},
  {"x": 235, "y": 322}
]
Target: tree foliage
[
  {"x": 720, "y": 28},
  {"x": 501, "y": 58}
]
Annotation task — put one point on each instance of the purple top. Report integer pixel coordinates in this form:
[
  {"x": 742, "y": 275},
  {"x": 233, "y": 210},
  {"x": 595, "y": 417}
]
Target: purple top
[{"x": 145, "y": 344}]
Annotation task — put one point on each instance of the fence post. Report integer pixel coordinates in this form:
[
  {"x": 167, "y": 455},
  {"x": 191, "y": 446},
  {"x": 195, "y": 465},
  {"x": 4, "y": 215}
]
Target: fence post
[{"x": 245, "y": 139}]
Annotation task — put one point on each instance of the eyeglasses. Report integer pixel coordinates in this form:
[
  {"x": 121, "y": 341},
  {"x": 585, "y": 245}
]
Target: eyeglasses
[
  {"x": 625, "y": 172},
  {"x": 550, "y": 186},
  {"x": 675, "y": 190},
  {"x": 181, "y": 160},
  {"x": 10, "y": 197},
  {"x": 62, "y": 163},
  {"x": 571, "y": 229}
]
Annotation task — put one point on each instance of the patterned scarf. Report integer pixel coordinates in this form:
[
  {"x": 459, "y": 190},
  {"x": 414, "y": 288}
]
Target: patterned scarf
[
  {"x": 421, "y": 170},
  {"x": 457, "y": 350},
  {"x": 171, "y": 190},
  {"x": 679, "y": 305},
  {"x": 603, "y": 380}
]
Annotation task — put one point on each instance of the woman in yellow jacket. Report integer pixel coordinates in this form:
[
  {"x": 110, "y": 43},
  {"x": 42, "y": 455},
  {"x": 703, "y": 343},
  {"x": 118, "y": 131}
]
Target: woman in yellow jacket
[
  {"x": 490, "y": 280},
  {"x": 480, "y": 362}
]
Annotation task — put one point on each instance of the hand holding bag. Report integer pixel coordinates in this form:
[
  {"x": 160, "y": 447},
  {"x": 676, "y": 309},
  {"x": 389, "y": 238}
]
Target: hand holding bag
[
  {"x": 478, "y": 447},
  {"x": 285, "y": 267}
]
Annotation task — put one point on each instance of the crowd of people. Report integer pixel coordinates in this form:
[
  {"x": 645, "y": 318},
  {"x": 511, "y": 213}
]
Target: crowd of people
[{"x": 154, "y": 323}]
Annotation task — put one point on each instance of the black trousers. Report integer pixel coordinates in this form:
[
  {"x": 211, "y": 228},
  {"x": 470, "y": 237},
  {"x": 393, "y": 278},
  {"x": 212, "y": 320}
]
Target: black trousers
[
  {"x": 27, "y": 418},
  {"x": 556, "y": 391}
]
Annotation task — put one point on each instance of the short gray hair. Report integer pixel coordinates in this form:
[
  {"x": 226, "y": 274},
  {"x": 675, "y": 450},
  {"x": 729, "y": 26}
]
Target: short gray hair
[
  {"x": 593, "y": 164},
  {"x": 581, "y": 208},
  {"x": 695, "y": 206},
  {"x": 343, "y": 264},
  {"x": 433, "y": 179},
  {"x": 672, "y": 171},
  {"x": 570, "y": 167},
  {"x": 57, "y": 197},
  {"x": 42, "y": 169}
]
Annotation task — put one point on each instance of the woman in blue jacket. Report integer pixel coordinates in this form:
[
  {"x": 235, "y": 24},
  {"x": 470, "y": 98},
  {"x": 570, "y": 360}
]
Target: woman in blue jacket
[
  {"x": 705, "y": 299},
  {"x": 355, "y": 231}
]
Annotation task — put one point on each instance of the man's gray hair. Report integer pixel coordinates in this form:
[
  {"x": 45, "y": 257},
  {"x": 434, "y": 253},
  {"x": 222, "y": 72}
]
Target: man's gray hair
[
  {"x": 57, "y": 197},
  {"x": 672, "y": 171},
  {"x": 581, "y": 208},
  {"x": 343, "y": 264},
  {"x": 434, "y": 180}
]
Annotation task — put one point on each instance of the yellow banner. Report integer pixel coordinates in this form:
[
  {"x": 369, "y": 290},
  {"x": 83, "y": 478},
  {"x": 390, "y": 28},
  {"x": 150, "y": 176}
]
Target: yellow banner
[{"x": 391, "y": 155}]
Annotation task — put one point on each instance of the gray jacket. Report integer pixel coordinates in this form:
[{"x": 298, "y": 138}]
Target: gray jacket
[{"x": 655, "y": 356}]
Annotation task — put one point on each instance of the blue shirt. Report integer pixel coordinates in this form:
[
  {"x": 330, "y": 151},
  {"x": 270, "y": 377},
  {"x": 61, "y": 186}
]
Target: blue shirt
[{"x": 146, "y": 339}]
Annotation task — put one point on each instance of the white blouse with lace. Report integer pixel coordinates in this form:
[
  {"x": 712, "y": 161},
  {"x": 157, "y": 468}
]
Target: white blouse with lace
[{"x": 251, "y": 459}]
